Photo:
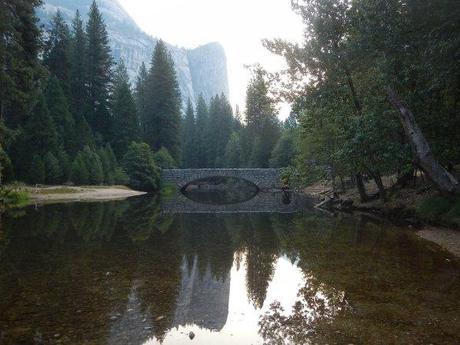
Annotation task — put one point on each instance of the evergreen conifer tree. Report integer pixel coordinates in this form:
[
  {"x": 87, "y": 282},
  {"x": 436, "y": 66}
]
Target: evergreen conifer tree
[
  {"x": 163, "y": 108},
  {"x": 141, "y": 96},
  {"x": 37, "y": 171},
  {"x": 219, "y": 130},
  {"x": 233, "y": 152},
  {"x": 52, "y": 168},
  {"x": 65, "y": 165},
  {"x": 20, "y": 45},
  {"x": 38, "y": 137},
  {"x": 262, "y": 128},
  {"x": 94, "y": 166},
  {"x": 189, "y": 136},
  {"x": 109, "y": 164},
  {"x": 78, "y": 94},
  {"x": 57, "y": 51},
  {"x": 98, "y": 74},
  {"x": 201, "y": 132},
  {"x": 284, "y": 152},
  {"x": 62, "y": 118},
  {"x": 79, "y": 173},
  {"x": 125, "y": 117}
]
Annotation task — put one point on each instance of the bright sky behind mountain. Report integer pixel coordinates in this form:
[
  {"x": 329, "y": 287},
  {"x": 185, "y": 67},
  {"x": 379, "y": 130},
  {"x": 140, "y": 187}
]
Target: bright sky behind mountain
[{"x": 239, "y": 25}]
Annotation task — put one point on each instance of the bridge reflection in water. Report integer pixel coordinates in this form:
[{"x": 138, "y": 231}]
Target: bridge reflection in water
[{"x": 263, "y": 202}]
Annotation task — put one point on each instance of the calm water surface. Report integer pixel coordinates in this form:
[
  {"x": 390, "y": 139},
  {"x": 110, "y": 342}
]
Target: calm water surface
[{"x": 136, "y": 272}]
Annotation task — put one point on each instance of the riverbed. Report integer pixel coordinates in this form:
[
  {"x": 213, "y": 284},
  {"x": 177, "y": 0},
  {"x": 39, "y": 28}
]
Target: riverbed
[{"x": 139, "y": 271}]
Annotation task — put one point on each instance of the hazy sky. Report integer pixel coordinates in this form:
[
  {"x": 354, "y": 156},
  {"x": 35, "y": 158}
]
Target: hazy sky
[{"x": 239, "y": 25}]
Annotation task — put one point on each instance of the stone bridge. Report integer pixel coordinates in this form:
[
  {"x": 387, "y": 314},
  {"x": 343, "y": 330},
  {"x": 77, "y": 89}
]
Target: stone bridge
[
  {"x": 263, "y": 202},
  {"x": 263, "y": 178}
]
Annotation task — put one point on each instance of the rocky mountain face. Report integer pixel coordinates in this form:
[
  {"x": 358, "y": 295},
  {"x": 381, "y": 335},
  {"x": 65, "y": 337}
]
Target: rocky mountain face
[{"x": 201, "y": 70}]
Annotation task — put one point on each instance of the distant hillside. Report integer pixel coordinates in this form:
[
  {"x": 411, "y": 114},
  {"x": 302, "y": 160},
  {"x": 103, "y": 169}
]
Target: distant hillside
[{"x": 200, "y": 70}]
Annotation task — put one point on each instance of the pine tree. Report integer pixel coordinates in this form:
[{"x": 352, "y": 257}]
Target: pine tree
[
  {"x": 78, "y": 94},
  {"x": 38, "y": 137},
  {"x": 37, "y": 171},
  {"x": 20, "y": 44},
  {"x": 53, "y": 169},
  {"x": 65, "y": 165},
  {"x": 94, "y": 166},
  {"x": 201, "y": 134},
  {"x": 264, "y": 143},
  {"x": 285, "y": 151},
  {"x": 62, "y": 118},
  {"x": 163, "y": 109},
  {"x": 98, "y": 74},
  {"x": 141, "y": 96},
  {"x": 57, "y": 51},
  {"x": 79, "y": 173},
  {"x": 109, "y": 164},
  {"x": 189, "y": 136},
  {"x": 126, "y": 121},
  {"x": 6, "y": 167},
  {"x": 233, "y": 152},
  {"x": 219, "y": 130},
  {"x": 262, "y": 128}
]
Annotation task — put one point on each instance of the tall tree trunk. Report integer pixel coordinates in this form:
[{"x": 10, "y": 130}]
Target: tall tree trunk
[
  {"x": 378, "y": 181},
  {"x": 423, "y": 156},
  {"x": 361, "y": 188}
]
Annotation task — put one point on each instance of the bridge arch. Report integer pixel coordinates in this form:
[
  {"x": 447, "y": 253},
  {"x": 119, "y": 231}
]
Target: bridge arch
[{"x": 264, "y": 179}]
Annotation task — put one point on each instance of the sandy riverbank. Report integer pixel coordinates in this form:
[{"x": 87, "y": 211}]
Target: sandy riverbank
[
  {"x": 53, "y": 194},
  {"x": 448, "y": 239}
]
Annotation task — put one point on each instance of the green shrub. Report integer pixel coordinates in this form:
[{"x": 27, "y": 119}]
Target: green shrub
[
  {"x": 441, "y": 210},
  {"x": 120, "y": 177},
  {"x": 433, "y": 208},
  {"x": 453, "y": 216},
  {"x": 139, "y": 165},
  {"x": 164, "y": 160},
  {"x": 11, "y": 197}
]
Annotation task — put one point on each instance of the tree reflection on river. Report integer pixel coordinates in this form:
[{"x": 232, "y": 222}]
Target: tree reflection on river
[{"x": 127, "y": 273}]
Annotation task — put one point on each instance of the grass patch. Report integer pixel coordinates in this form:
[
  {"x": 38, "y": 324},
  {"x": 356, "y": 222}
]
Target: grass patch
[
  {"x": 168, "y": 190},
  {"x": 58, "y": 190},
  {"x": 11, "y": 198},
  {"x": 440, "y": 210},
  {"x": 106, "y": 187}
]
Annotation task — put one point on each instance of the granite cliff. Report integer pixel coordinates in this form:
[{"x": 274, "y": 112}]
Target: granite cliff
[{"x": 201, "y": 70}]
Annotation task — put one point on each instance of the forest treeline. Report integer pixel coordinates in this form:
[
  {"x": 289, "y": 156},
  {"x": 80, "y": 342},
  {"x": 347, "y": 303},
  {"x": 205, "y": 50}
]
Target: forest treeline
[
  {"x": 356, "y": 57},
  {"x": 70, "y": 114}
]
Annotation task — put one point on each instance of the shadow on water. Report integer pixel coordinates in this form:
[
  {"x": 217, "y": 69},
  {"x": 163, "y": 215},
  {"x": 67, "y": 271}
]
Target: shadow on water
[
  {"x": 128, "y": 272},
  {"x": 220, "y": 191}
]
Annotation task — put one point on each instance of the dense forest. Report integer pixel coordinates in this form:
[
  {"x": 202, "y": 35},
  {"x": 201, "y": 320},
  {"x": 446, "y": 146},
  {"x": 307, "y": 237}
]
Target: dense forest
[
  {"x": 363, "y": 67},
  {"x": 69, "y": 113}
]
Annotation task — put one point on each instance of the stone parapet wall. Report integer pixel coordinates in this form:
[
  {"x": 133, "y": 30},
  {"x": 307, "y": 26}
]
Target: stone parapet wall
[{"x": 262, "y": 178}]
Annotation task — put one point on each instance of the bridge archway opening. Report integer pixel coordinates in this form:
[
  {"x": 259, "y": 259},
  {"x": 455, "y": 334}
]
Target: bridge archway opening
[{"x": 220, "y": 190}]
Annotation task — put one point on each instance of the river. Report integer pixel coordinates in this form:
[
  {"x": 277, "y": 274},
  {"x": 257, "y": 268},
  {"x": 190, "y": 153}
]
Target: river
[{"x": 150, "y": 271}]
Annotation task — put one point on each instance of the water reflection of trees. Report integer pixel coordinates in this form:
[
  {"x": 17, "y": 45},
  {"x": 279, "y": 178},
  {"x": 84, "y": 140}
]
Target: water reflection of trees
[
  {"x": 123, "y": 270},
  {"x": 365, "y": 283},
  {"x": 95, "y": 264}
]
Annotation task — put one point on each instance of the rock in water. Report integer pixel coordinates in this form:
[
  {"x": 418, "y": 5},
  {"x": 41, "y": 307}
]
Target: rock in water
[{"x": 191, "y": 335}]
